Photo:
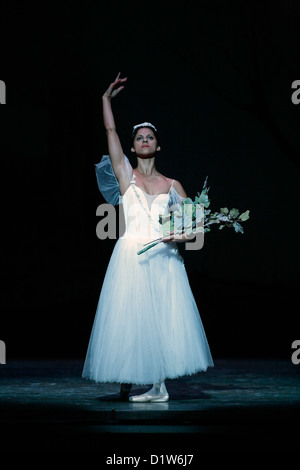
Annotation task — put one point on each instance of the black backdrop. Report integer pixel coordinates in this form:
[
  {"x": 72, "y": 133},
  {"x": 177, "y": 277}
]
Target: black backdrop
[{"x": 216, "y": 80}]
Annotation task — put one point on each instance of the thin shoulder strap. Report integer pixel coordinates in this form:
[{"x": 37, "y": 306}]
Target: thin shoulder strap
[{"x": 132, "y": 180}]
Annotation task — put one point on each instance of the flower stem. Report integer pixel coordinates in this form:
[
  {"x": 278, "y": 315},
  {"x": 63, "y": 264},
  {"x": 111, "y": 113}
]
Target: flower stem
[{"x": 148, "y": 247}]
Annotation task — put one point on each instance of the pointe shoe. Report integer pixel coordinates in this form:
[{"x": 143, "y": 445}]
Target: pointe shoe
[
  {"x": 148, "y": 398},
  {"x": 160, "y": 398}
]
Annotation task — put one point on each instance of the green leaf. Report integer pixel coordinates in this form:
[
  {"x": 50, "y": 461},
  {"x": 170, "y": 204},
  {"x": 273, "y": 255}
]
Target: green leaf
[
  {"x": 187, "y": 200},
  {"x": 237, "y": 227},
  {"x": 234, "y": 213},
  {"x": 224, "y": 210},
  {"x": 167, "y": 227},
  {"x": 244, "y": 216},
  {"x": 203, "y": 199}
]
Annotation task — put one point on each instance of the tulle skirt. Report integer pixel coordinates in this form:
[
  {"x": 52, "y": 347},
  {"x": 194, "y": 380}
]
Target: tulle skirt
[{"x": 147, "y": 326}]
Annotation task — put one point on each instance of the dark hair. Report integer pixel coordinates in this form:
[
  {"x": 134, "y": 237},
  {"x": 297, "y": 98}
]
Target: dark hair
[{"x": 145, "y": 124}]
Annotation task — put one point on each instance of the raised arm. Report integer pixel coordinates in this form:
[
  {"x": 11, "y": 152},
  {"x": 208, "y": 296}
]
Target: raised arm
[{"x": 114, "y": 146}]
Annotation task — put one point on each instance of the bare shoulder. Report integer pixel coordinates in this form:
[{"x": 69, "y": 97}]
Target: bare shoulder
[
  {"x": 167, "y": 182},
  {"x": 179, "y": 188}
]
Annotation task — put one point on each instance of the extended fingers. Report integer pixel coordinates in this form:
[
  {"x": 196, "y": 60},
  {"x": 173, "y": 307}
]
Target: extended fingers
[{"x": 119, "y": 80}]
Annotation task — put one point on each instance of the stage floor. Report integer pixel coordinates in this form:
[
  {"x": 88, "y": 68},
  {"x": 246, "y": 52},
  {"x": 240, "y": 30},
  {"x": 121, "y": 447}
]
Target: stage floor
[{"x": 238, "y": 404}]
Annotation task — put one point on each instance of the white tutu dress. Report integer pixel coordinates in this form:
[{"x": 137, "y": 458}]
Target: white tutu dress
[{"x": 147, "y": 326}]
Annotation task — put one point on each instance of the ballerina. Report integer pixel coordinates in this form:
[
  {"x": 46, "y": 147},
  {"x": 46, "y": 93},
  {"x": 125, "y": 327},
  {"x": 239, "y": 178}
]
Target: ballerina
[{"x": 147, "y": 326}]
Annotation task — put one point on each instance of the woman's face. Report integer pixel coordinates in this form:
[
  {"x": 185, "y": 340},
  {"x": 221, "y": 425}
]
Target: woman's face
[{"x": 145, "y": 143}]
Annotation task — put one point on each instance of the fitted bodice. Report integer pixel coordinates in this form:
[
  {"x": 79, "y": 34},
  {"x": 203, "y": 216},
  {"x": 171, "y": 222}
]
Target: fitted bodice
[
  {"x": 141, "y": 210},
  {"x": 141, "y": 213}
]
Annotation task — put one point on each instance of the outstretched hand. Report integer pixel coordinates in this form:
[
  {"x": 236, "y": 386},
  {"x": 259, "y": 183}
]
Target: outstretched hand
[{"x": 115, "y": 87}]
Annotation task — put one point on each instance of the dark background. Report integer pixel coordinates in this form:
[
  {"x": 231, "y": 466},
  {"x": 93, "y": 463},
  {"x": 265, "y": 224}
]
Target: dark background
[{"x": 216, "y": 80}]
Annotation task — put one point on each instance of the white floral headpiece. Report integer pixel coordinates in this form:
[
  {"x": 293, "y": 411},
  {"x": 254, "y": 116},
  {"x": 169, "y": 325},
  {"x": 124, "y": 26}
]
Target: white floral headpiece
[{"x": 144, "y": 124}]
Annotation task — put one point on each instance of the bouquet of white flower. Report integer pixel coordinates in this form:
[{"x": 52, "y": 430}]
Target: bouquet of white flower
[{"x": 195, "y": 216}]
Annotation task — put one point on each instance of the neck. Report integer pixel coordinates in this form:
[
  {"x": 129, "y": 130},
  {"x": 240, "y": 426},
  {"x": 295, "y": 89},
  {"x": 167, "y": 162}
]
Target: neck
[{"x": 146, "y": 167}]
